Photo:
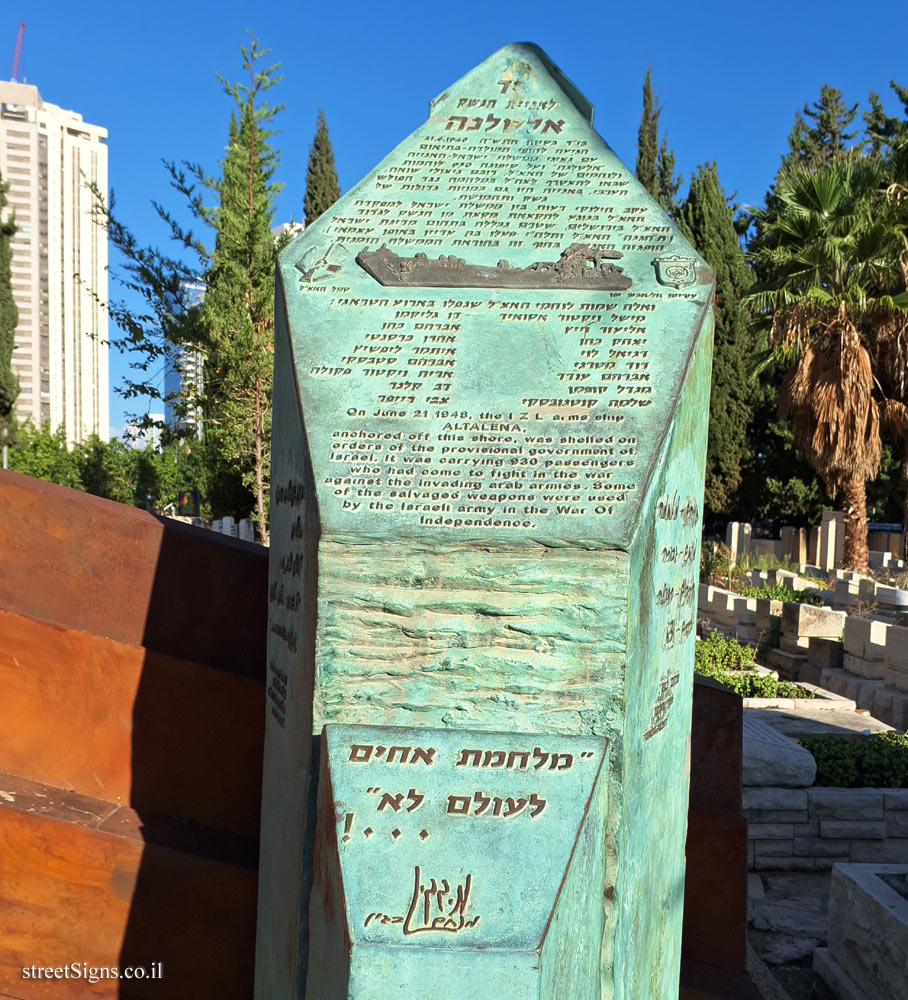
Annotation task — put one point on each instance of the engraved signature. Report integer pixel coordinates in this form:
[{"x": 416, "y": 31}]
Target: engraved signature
[{"x": 434, "y": 906}]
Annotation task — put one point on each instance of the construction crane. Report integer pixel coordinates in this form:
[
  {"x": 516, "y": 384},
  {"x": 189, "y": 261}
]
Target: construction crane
[{"x": 17, "y": 54}]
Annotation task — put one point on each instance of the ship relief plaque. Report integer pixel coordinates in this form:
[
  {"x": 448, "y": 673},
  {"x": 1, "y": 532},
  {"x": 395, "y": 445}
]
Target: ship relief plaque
[{"x": 580, "y": 266}]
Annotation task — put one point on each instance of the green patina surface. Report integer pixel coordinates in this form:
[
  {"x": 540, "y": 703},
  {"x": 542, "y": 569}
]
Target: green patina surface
[
  {"x": 457, "y": 865},
  {"x": 521, "y": 395},
  {"x": 492, "y": 522},
  {"x": 466, "y": 636},
  {"x": 651, "y": 832}
]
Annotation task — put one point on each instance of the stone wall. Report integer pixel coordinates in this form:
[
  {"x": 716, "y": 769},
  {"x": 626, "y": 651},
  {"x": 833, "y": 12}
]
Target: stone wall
[{"x": 810, "y": 829}]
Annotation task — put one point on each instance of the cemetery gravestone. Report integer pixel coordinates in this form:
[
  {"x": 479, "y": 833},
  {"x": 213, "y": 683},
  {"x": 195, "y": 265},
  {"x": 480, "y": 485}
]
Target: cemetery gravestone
[{"x": 492, "y": 363}]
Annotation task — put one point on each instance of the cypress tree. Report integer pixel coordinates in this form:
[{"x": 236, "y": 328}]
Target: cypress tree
[
  {"x": 669, "y": 184},
  {"x": 9, "y": 317},
  {"x": 238, "y": 310},
  {"x": 648, "y": 138},
  {"x": 322, "y": 189},
  {"x": 706, "y": 220},
  {"x": 655, "y": 164}
]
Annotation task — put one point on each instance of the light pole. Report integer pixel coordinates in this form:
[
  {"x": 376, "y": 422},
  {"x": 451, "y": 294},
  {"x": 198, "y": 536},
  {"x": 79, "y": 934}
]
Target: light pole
[{"x": 5, "y": 448}]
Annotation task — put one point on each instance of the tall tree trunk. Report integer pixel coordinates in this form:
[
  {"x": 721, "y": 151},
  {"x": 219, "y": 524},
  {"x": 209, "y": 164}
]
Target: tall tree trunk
[
  {"x": 259, "y": 419},
  {"x": 855, "y": 491}
]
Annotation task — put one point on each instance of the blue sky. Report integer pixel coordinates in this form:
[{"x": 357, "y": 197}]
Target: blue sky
[{"x": 730, "y": 76}]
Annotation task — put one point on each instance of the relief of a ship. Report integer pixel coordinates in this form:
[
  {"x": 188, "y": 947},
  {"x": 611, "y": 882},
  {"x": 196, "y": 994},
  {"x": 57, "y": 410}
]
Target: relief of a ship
[{"x": 580, "y": 266}]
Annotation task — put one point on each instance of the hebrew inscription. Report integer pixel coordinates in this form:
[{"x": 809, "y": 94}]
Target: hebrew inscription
[
  {"x": 675, "y": 583},
  {"x": 417, "y": 810},
  {"x": 501, "y": 299},
  {"x": 284, "y": 593},
  {"x": 463, "y": 803}
]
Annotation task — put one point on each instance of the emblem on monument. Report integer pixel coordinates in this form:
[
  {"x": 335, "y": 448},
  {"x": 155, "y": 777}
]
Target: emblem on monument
[
  {"x": 580, "y": 266},
  {"x": 315, "y": 266},
  {"x": 676, "y": 271}
]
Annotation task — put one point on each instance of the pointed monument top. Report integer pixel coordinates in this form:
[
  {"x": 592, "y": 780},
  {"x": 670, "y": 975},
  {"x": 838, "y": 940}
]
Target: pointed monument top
[
  {"x": 519, "y": 64},
  {"x": 491, "y": 330}
]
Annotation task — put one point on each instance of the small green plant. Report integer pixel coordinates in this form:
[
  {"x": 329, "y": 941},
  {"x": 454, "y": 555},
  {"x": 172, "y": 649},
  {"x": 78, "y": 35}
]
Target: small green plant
[
  {"x": 836, "y": 759},
  {"x": 781, "y": 592},
  {"x": 732, "y": 664},
  {"x": 876, "y": 761},
  {"x": 884, "y": 760},
  {"x": 722, "y": 568},
  {"x": 762, "y": 686},
  {"x": 719, "y": 654},
  {"x": 766, "y": 561}
]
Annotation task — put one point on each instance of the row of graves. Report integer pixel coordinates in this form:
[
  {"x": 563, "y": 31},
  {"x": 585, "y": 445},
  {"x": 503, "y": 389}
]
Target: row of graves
[
  {"x": 861, "y": 656},
  {"x": 820, "y": 550},
  {"x": 857, "y": 669}
]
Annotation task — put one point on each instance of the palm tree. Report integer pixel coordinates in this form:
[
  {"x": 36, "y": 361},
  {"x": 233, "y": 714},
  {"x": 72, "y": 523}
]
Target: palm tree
[{"x": 834, "y": 253}]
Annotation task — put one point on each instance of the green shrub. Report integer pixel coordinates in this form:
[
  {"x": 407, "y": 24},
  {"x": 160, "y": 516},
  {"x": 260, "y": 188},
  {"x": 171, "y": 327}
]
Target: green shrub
[
  {"x": 732, "y": 664},
  {"x": 779, "y": 592},
  {"x": 754, "y": 685},
  {"x": 877, "y": 761},
  {"x": 717, "y": 653},
  {"x": 837, "y": 762}
]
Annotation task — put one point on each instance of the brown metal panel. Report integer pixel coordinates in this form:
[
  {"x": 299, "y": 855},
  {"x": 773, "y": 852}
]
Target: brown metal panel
[
  {"x": 716, "y": 747},
  {"x": 132, "y": 727},
  {"x": 715, "y": 888},
  {"x": 715, "y": 891},
  {"x": 115, "y": 571},
  {"x": 70, "y": 893}
]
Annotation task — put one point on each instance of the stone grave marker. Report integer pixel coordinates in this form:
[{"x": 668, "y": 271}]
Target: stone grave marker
[
  {"x": 457, "y": 864},
  {"x": 492, "y": 363}
]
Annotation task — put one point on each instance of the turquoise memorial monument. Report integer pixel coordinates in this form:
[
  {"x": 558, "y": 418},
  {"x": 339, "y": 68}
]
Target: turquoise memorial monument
[{"x": 492, "y": 363}]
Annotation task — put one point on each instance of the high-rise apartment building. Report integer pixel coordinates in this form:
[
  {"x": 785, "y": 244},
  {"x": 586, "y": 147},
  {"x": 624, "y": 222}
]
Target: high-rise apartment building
[
  {"x": 50, "y": 158},
  {"x": 184, "y": 374}
]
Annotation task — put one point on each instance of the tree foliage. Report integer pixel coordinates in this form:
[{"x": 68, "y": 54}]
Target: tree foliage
[
  {"x": 322, "y": 189},
  {"x": 238, "y": 310},
  {"x": 9, "y": 317},
  {"x": 655, "y": 163},
  {"x": 233, "y": 326},
  {"x": 812, "y": 145},
  {"x": 706, "y": 220},
  {"x": 648, "y": 137},
  {"x": 887, "y": 134},
  {"x": 44, "y": 455},
  {"x": 777, "y": 484},
  {"x": 116, "y": 471},
  {"x": 831, "y": 253}
]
